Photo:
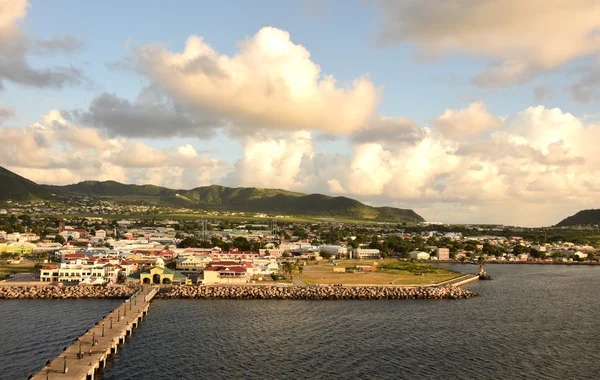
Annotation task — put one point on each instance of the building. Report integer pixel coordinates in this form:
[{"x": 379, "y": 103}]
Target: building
[
  {"x": 366, "y": 268},
  {"x": 334, "y": 250},
  {"x": 365, "y": 253},
  {"x": 192, "y": 263},
  {"x": 226, "y": 272},
  {"x": 159, "y": 275},
  {"x": 100, "y": 234},
  {"x": 419, "y": 255},
  {"x": 443, "y": 253}
]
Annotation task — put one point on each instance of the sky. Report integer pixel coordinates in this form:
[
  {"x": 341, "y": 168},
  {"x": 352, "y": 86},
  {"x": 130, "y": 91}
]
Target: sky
[{"x": 467, "y": 111}]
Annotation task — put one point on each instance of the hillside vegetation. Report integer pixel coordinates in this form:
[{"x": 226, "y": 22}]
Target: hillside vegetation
[
  {"x": 214, "y": 197},
  {"x": 15, "y": 187},
  {"x": 582, "y": 218}
]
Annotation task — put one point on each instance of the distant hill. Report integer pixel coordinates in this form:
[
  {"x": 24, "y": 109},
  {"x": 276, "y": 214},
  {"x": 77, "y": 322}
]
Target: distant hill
[
  {"x": 582, "y": 218},
  {"x": 15, "y": 187},
  {"x": 214, "y": 197}
]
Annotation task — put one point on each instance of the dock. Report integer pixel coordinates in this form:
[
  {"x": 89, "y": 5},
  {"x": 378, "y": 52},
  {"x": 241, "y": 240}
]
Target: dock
[
  {"x": 462, "y": 280},
  {"x": 89, "y": 353}
]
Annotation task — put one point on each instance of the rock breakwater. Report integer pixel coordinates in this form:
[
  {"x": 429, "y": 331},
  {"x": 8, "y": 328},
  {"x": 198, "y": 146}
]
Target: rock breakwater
[
  {"x": 65, "y": 292},
  {"x": 314, "y": 293}
]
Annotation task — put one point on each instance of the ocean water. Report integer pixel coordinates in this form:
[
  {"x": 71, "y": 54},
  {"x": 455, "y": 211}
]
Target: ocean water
[{"x": 530, "y": 322}]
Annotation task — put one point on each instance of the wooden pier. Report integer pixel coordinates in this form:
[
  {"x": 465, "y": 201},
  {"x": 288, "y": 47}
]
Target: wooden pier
[{"x": 89, "y": 353}]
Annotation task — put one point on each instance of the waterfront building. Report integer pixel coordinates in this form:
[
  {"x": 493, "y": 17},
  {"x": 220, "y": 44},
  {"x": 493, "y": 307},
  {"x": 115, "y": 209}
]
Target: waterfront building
[
  {"x": 442, "y": 253},
  {"x": 159, "y": 275},
  {"x": 227, "y": 272}
]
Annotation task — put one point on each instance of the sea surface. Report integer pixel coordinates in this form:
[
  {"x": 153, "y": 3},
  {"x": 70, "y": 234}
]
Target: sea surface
[{"x": 530, "y": 322}]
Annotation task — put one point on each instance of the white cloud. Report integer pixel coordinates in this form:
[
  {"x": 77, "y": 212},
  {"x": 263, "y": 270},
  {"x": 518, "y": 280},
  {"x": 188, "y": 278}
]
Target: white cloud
[
  {"x": 54, "y": 151},
  {"x": 471, "y": 121},
  {"x": 269, "y": 83},
  {"x": 523, "y": 37},
  {"x": 534, "y": 168},
  {"x": 187, "y": 150},
  {"x": 15, "y": 46}
]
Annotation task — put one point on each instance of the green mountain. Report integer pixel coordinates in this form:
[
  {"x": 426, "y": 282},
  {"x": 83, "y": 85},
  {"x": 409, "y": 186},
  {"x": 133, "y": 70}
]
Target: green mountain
[
  {"x": 15, "y": 187},
  {"x": 214, "y": 197},
  {"x": 582, "y": 218}
]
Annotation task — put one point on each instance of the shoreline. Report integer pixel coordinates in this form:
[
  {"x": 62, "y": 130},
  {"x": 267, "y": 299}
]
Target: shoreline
[
  {"x": 322, "y": 292},
  {"x": 509, "y": 262}
]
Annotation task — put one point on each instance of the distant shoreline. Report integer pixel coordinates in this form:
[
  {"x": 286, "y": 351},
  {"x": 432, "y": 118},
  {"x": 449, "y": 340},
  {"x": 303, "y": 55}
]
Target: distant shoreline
[{"x": 512, "y": 262}]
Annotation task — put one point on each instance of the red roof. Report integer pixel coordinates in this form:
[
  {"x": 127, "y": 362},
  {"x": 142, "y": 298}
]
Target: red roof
[
  {"x": 75, "y": 256},
  {"x": 50, "y": 267}
]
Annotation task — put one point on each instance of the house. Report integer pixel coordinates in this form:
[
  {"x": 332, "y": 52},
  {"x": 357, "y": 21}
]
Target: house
[
  {"x": 100, "y": 234},
  {"x": 419, "y": 255}
]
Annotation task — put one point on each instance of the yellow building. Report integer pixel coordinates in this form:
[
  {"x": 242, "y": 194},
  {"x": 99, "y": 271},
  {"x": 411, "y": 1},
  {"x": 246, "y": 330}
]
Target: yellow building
[{"x": 160, "y": 275}]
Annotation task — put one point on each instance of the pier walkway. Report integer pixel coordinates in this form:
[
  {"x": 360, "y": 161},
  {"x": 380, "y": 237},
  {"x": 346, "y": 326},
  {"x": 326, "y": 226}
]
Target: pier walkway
[
  {"x": 89, "y": 353},
  {"x": 460, "y": 281}
]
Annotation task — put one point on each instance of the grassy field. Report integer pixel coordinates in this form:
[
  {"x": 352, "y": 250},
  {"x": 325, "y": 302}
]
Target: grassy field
[
  {"x": 23, "y": 267},
  {"x": 389, "y": 272}
]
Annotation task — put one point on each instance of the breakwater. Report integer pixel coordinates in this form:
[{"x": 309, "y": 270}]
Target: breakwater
[
  {"x": 315, "y": 292},
  {"x": 65, "y": 292}
]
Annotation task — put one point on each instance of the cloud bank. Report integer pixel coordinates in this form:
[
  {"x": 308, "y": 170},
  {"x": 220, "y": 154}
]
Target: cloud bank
[{"x": 521, "y": 37}]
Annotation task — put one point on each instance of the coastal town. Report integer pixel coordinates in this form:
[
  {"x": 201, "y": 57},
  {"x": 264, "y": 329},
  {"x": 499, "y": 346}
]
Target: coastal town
[{"x": 97, "y": 250}]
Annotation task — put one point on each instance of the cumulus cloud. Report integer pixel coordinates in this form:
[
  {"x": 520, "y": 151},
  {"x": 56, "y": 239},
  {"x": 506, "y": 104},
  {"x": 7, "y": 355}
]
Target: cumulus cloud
[
  {"x": 273, "y": 161},
  {"x": 15, "y": 46},
  {"x": 270, "y": 82},
  {"x": 515, "y": 34},
  {"x": 534, "y": 159},
  {"x": 53, "y": 151},
  {"x": 150, "y": 115},
  {"x": 471, "y": 121}
]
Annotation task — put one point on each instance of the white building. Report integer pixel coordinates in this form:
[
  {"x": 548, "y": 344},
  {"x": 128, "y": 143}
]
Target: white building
[
  {"x": 334, "y": 250},
  {"x": 419, "y": 255},
  {"x": 366, "y": 253},
  {"x": 74, "y": 235}
]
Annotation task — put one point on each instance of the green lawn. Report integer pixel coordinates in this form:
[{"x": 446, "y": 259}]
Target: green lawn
[{"x": 390, "y": 272}]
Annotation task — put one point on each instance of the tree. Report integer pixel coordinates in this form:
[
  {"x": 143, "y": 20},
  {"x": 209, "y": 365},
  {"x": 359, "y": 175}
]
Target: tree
[
  {"x": 325, "y": 255},
  {"x": 59, "y": 239}
]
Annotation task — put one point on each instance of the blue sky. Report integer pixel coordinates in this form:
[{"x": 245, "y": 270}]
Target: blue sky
[{"x": 449, "y": 112}]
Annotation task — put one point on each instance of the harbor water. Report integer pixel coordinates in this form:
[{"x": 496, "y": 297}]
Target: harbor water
[{"x": 530, "y": 322}]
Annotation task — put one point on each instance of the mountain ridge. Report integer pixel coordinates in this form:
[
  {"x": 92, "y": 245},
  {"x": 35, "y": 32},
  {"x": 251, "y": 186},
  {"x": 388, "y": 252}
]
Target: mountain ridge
[
  {"x": 212, "y": 197},
  {"x": 581, "y": 218}
]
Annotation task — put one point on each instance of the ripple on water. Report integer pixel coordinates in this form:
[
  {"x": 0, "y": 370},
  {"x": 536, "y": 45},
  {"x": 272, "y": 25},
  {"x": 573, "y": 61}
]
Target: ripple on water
[{"x": 526, "y": 324}]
